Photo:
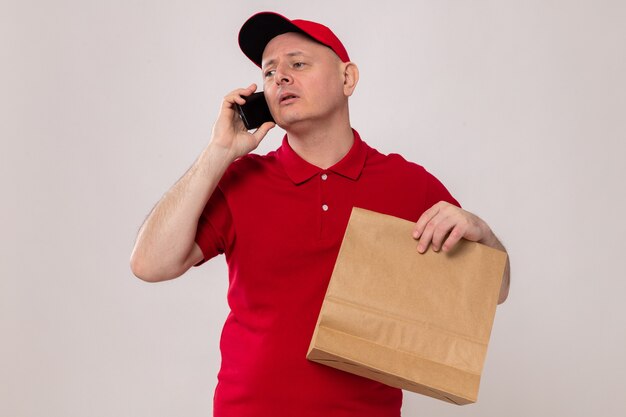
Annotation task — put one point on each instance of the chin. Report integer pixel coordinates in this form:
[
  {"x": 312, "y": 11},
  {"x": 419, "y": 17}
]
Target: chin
[{"x": 289, "y": 120}]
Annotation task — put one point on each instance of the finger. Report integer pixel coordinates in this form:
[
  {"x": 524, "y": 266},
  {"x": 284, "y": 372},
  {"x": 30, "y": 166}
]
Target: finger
[
  {"x": 426, "y": 236},
  {"x": 436, "y": 230},
  {"x": 424, "y": 219},
  {"x": 441, "y": 231},
  {"x": 239, "y": 95},
  {"x": 453, "y": 238},
  {"x": 246, "y": 91},
  {"x": 249, "y": 90}
]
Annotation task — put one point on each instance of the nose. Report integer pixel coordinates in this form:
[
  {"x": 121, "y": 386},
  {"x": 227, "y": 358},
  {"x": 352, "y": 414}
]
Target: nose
[{"x": 282, "y": 76}]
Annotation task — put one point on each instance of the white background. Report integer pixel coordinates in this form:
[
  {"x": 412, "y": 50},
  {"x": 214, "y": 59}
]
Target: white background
[{"x": 517, "y": 106}]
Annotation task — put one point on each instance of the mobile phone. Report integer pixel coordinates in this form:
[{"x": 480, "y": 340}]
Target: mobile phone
[{"x": 255, "y": 111}]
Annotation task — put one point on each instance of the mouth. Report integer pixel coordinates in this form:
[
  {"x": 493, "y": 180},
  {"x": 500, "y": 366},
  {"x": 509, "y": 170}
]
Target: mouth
[{"x": 287, "y": 98}]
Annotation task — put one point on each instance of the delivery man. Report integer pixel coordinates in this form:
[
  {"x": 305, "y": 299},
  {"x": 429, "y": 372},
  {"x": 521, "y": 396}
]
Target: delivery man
[{"x": 279, "y": 220}]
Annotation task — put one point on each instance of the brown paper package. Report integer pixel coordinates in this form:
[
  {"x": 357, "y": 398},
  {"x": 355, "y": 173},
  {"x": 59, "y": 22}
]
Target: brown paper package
[{"x": 420, "y": 322}]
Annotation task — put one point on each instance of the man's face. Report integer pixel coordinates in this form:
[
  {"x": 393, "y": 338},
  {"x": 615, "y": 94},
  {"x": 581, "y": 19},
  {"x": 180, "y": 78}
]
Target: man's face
[{"x": 303, "y": 80}]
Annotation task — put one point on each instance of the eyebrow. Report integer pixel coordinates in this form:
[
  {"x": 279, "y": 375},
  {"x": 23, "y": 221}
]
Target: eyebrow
[{"x": 290, "y": 54}]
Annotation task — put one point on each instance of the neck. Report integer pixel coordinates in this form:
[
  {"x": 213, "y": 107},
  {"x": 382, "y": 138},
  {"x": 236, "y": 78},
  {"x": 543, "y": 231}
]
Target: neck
[
  {"x": 322, "y": 149},
  {"x": 322, "y": 144}
]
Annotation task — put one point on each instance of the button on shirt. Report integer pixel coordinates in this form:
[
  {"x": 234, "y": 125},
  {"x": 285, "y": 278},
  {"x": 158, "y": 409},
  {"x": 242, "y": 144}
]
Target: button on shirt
[{"x": 280, "y": 221}]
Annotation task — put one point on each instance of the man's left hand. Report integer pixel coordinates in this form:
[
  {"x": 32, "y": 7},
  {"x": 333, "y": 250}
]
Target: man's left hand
[{"x": 444, "y": 224}]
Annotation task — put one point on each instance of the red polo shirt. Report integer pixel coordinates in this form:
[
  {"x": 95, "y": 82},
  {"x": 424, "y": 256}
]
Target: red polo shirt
[{"x": 280, "y": 221}]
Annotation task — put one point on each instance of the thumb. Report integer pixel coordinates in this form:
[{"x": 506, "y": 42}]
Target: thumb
[{"x": 260, "y": 133}]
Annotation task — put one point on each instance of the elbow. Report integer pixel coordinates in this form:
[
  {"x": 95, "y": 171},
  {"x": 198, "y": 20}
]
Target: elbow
[
  {"x": 146, "y": 271},
  {"x": 155, "y": 267},
  {"x": 140, "y": 270}
]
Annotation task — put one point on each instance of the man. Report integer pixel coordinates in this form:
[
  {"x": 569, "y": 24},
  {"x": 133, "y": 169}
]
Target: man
[{"x": 280, "y": 218}]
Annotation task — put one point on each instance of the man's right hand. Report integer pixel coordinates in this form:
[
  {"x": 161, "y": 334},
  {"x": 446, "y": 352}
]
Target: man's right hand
[{"x": 229, "y": 131}]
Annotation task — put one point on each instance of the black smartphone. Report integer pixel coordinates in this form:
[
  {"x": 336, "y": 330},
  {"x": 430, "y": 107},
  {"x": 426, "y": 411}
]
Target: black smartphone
[{"x": 255, "y": 111}]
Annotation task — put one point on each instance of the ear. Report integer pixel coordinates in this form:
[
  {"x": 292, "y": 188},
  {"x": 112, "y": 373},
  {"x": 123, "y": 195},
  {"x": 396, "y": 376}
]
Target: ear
[{"x": 350, "y": 78}]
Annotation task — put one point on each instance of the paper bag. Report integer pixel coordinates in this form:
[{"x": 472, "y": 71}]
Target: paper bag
[{"x": 420, "y": 322}]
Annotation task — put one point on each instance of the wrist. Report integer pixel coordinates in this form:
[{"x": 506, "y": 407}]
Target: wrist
[
  {"x": 219, "y": 152},
  {"x": 489, "y": 238}
]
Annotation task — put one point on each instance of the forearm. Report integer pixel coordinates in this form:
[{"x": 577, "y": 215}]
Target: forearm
[
  {"x": 166, "y": 239},
  {"x": 492, "y": 241},
  {"x": 506, "y": 281},
  {"x": 165, "y": 246}
]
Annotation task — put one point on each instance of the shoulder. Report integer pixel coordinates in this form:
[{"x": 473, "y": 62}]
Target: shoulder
[
  {"x": 394, "y": 163},
  {"x": 253, "y": 162},
  {"x": 395, "y": 168},
  {"x": 250, "y": 166}
]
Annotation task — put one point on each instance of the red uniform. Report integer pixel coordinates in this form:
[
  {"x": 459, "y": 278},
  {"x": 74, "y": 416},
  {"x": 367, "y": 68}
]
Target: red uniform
[{"x": 280, "y": 221}]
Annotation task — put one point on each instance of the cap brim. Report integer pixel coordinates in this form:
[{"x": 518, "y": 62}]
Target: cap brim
[{"x": 261, "y": 28}]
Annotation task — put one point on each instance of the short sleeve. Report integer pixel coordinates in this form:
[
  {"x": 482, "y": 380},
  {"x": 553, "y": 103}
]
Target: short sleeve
[
  {"x": 215, "y": 227},
  {"x": 437, "y": 192}
]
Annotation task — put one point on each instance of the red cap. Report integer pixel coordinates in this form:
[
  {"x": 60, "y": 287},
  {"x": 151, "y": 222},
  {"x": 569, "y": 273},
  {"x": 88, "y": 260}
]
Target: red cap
[{"x": 261, "y": 28}]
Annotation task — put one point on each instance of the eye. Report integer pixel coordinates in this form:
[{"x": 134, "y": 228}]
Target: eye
[
  {"x": 269, "y": 73},
  {"x": 298, "y": 65}
]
